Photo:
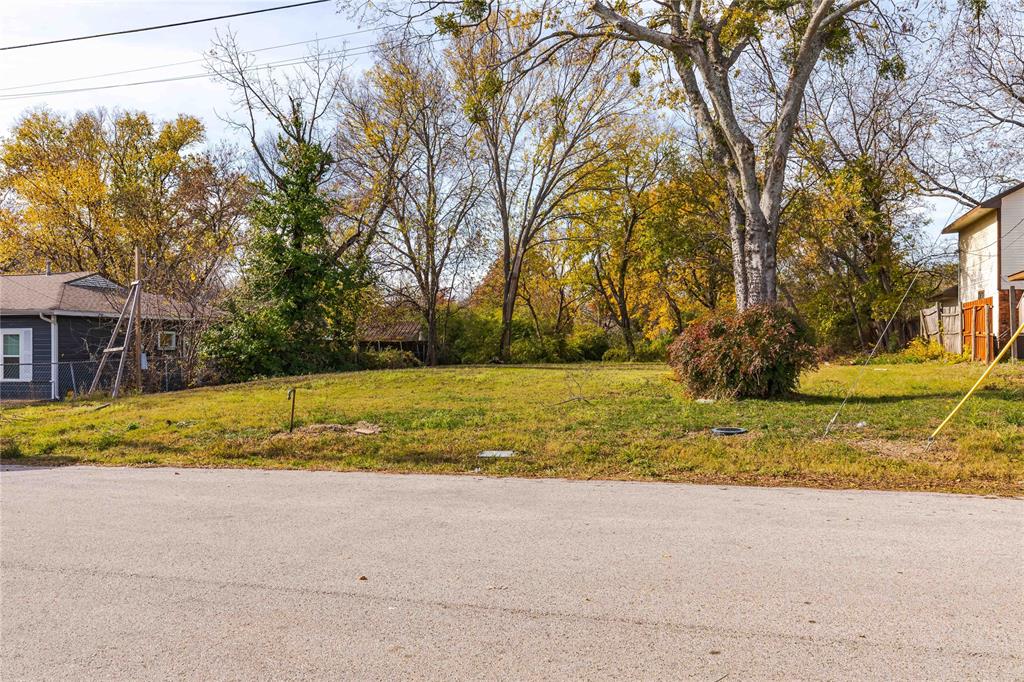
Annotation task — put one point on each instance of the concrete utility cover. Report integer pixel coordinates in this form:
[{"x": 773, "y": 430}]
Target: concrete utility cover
[{"x": 497, "y": 453}]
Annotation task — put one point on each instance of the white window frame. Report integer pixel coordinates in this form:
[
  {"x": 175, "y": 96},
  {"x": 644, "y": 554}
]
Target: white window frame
[
  {"x": 25, "y": 349},
  {"x": 160, "y": 345}
]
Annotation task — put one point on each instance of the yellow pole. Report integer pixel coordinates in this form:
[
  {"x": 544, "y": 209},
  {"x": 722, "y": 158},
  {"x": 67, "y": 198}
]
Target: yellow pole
[{"x": 978, "y": 382}]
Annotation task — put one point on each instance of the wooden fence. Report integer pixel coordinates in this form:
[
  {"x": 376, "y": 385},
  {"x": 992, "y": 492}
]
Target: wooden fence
[
  {"x": 978, "y": 333},
  {"x": 945, "y": 325}
]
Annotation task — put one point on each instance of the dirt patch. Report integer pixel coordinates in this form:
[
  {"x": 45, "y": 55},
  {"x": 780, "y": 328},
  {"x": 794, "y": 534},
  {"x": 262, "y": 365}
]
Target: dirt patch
[
  {"x": 898, "y": 449},
  {"x": 358, "y": 429}
]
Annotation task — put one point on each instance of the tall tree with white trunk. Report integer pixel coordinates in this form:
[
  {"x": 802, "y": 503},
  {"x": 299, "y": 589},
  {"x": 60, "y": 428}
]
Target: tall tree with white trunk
[
  {"x": 707, "y": 45},
  {"x": 710, "y": 49}
]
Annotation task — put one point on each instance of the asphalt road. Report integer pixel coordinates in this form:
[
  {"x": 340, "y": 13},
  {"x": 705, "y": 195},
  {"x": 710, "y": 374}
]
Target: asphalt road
[{"x": 161, "y": 573}]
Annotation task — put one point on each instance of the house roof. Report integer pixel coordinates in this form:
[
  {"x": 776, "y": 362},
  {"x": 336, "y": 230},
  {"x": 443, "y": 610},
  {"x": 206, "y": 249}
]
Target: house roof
[
  {"x": 390, "y": 331},
  {"x": 981, "y": 210},
  {"x": 951, "y": 293},
  {"x": 77, "y": 293}
]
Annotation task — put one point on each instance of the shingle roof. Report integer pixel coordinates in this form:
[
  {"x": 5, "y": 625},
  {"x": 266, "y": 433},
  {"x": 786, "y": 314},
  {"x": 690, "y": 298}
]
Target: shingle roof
[
  {"x": 984, "y": 208},
  {"x": 390, "y": 331},
  {"x": 76, "y": 293}
]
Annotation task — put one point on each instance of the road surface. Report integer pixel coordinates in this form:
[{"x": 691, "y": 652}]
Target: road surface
[{"x": 207, "y": 574}]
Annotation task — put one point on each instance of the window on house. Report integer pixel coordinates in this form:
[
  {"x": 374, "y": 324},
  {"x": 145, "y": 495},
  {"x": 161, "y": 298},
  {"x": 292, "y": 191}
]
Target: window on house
[
  {"x": 167, "y": 341},
  {"x": 17, "y": 354}
]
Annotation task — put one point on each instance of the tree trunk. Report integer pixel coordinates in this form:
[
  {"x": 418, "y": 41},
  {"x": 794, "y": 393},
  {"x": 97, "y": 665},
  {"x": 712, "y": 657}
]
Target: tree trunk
[
  {"x": 432, "y": 335},
  {"x": 508, "y": 308},
  {"x": 738, "y": 237},
  {"x": 677, "y": 314},
  {"x": 627, "y": 334},
  {"x": 626, "y": 324},
  {"x": 760, "y": 271}
]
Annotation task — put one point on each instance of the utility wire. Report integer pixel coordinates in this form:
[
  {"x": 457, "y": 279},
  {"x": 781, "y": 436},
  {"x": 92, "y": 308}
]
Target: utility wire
[
  {"x": 980, "y": 251},
  {"x": 162, "y": 26},
  {"x": 881, "y": 337},
  {"x": 155, "y": 67},
  {"x": 292, "y": 61}
]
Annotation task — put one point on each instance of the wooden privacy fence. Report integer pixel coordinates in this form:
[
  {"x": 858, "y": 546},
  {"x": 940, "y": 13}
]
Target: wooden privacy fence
[
  {"x": 977, "y": 334},
  {"x": 944, "y": 325}
]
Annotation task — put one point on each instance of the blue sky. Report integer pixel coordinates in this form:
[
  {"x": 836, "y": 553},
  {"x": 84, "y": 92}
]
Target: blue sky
[{"x": 24, "y": 21}]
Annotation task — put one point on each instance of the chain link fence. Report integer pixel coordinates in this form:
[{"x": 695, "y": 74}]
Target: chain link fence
[{"x": 29, "y": 382}]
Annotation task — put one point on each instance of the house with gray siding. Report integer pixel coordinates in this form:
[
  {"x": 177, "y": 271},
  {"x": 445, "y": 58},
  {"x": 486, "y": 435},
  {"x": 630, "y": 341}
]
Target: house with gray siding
[{"x": 53, "y": 328}]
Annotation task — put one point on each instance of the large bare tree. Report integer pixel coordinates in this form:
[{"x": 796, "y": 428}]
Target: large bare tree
[
  {"x": 976, "y": 97},
  {"x": 430, "y": 225},
  {"x": 300, "y": 103},
  {"x": 709, "y": 49},
  {"x": 543, "y": 131}
]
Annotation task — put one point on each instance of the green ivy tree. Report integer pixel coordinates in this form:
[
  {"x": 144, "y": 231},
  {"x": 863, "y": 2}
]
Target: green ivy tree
[{"x": 295, "y": 310}]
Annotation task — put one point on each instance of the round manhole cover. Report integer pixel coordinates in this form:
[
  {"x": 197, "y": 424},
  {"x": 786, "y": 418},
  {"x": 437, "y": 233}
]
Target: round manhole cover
[{"x": 727, "y": 430}]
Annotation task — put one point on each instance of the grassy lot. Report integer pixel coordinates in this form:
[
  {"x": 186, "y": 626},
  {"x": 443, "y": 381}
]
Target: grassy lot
[{"x": 589, "y": 421}]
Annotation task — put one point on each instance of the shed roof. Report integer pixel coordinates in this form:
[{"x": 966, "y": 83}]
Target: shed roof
[
  {"x": 390, "y": 331},
  {"x": 77, "y": 293},
  {"x": 981, "y": 210}
]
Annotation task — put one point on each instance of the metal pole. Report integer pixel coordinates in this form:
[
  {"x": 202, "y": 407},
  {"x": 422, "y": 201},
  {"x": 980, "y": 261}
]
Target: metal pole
[
  {"x": 291, "y": 422},
  {"x": 1013, "y": 320},
  {"x": 138, "y": 321},
  {"x": 124, "y": 351},
  {"x": 977, "y": 383}
]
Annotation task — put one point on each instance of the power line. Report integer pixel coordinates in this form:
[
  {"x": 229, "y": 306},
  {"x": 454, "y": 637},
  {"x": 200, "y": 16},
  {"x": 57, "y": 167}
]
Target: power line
[
  {"x": 170, "y": 79},
  {"x": 162, "y": 26},
  {"x": 878, "y": 344},
  {"x": 981, "y": 250},
  {"x": 293, "y": 61},
  {"x": 183, "y": 63}
]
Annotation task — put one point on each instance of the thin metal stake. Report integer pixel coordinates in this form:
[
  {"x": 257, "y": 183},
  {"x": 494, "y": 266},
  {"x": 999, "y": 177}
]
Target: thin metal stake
[{"x": 291, "y": 396}]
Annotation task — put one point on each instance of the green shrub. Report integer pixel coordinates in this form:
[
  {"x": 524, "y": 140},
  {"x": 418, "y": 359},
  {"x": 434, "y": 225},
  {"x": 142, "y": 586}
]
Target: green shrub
[
  {"x": 919, "y": 350},
  {"x": 617, "y": 354},
  {"x": 472, "y": 336},
  {"x": 588, "y": 343},
  {"x": 388, "y": 358},
  {"x": 916, "y": 352},
  {"x": 646, "y": 351},
  {"x": 653, "y": 351},
  {"x": 758, "y": 353}
]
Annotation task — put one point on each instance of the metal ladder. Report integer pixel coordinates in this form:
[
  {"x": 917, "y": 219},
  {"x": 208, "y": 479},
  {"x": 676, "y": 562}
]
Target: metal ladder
[{"x": 130, "y": 306}]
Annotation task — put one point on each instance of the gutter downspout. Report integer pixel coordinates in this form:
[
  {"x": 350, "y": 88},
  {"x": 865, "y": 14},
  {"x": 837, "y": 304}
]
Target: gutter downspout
[{"x": 54, "y": 374}]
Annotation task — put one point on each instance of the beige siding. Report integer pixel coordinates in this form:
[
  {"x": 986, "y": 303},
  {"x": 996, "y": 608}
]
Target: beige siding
[
  {"x": 978, "y": 259},
  {"x": 1012, "y": 225}
]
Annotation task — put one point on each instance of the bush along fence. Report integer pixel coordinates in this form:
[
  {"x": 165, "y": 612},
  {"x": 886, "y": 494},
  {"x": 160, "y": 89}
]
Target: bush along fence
[
  {"x": 943, "y": 324},
  {"x": 26, "y": 382},
  {"x": 970, "y": 327}
]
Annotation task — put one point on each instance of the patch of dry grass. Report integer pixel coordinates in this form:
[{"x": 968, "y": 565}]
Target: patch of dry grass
[{"x": 578, "y": 421}]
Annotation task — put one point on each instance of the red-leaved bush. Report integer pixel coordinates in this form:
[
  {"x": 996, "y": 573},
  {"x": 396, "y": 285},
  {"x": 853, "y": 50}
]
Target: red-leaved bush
[{"x": 758, "y": 353}]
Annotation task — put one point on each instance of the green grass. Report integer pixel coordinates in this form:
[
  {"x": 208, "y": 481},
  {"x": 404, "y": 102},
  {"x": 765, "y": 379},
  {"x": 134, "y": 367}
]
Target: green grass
[{"x": 583, "y": 421}]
